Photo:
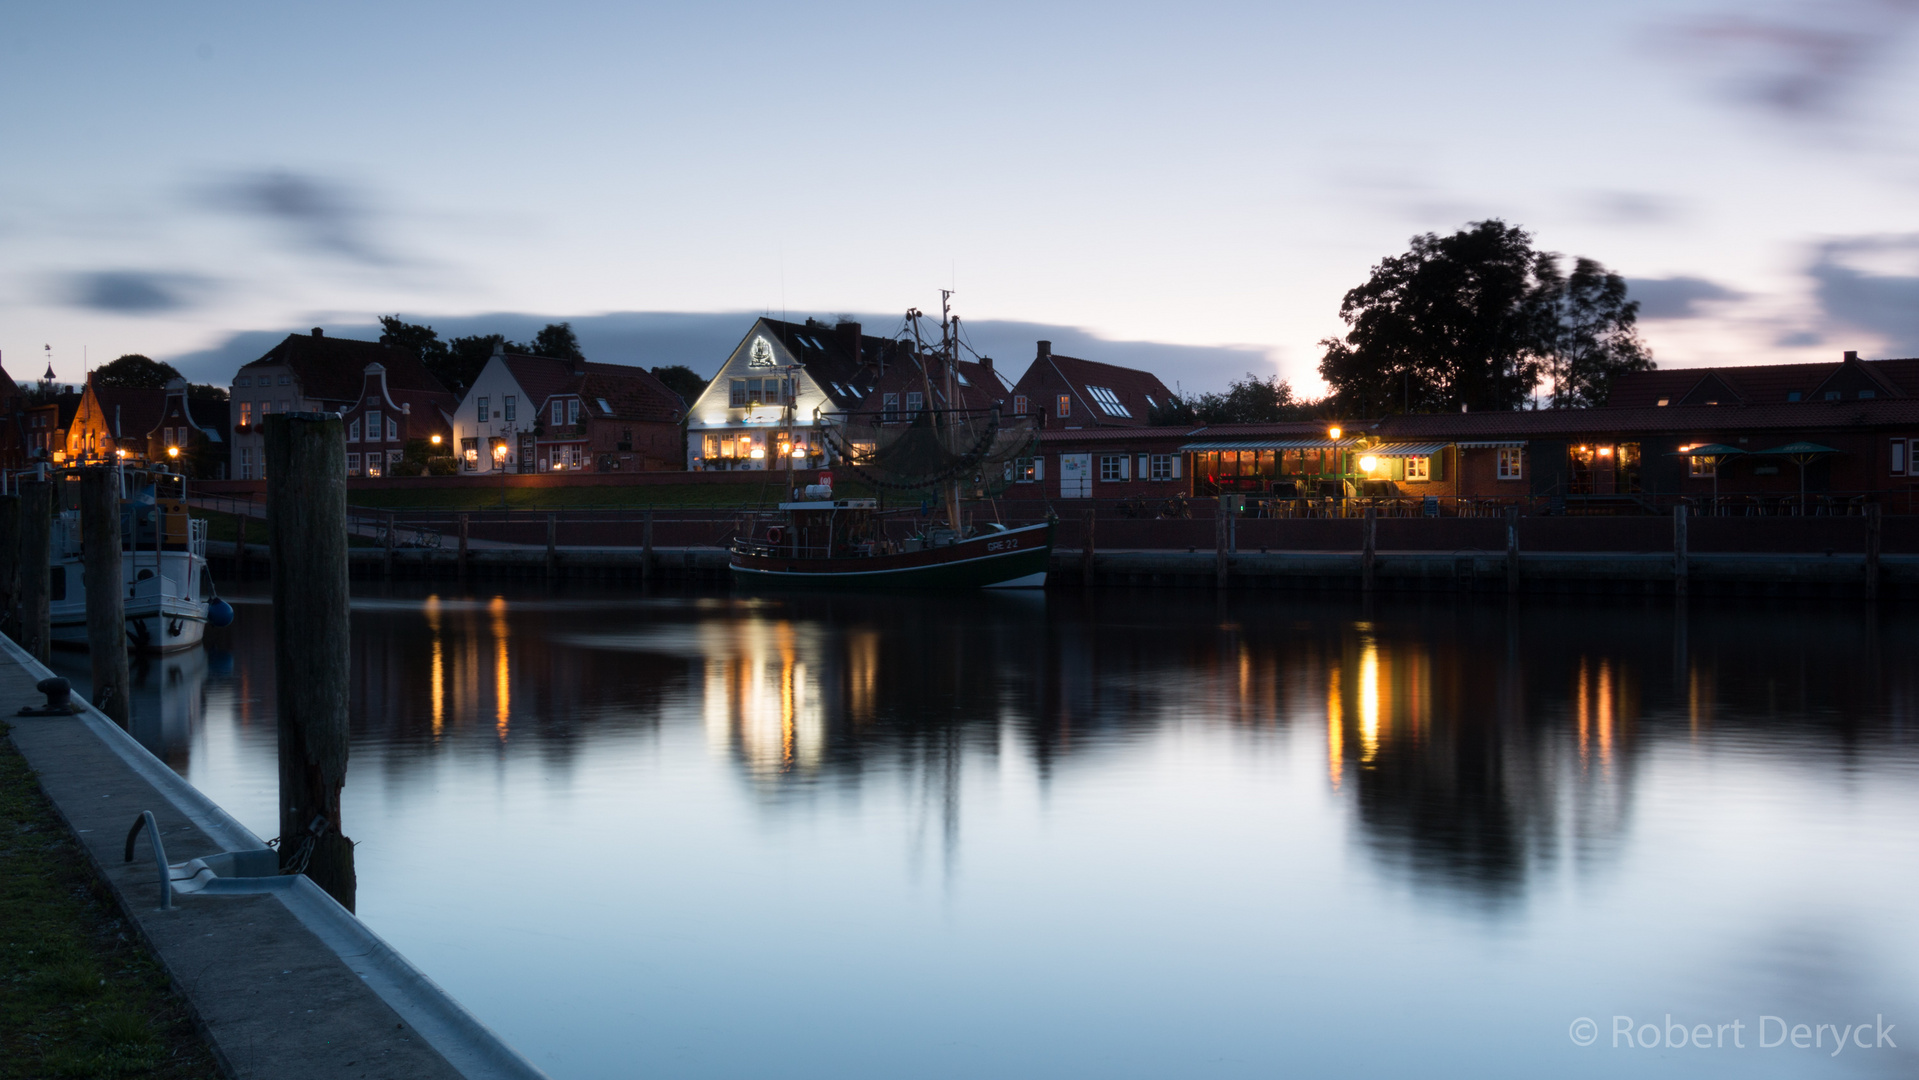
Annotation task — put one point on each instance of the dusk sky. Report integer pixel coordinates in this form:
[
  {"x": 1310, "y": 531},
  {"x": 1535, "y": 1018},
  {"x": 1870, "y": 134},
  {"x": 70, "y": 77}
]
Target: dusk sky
[{"x": 1205, "y": 175}]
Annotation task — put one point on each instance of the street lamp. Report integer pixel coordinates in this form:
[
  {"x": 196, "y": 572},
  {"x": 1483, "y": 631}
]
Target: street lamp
[{"x": 436, "y": 439}]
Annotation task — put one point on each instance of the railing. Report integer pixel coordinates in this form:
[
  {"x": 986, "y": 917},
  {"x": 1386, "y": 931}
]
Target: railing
[
  {"x": 362, "y": 522},
  {"x": 145, "y": 820}
]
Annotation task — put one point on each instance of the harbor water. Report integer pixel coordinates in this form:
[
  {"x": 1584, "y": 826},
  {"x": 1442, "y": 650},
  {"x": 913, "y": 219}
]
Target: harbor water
[{"x": 1118, "y": 834}]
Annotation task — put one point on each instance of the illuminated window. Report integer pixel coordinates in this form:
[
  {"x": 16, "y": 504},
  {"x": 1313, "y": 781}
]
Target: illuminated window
[
  {"x": 1703, "y": 466},
  {"x": 1064, "y": 407},
  {"x": 1419, "y": 468},
  {"x": 353, "y": 464},
  {"x": 1019, "y": 404},
  {"x": 1025, "y": 470},
  {"x": 246, "y": 413},
  {"x": 1510, "y": 463}
]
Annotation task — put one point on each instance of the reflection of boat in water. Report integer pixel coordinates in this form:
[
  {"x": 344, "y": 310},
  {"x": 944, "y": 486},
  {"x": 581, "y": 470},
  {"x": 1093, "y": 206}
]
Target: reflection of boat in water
[
  {"x": 170, "y": 594},
  {"x": 168, "y": 701},
  {"x": 838, "y": 542}
]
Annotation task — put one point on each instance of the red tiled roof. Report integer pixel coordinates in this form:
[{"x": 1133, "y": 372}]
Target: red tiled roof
[
  {"x": 1675, "y": 419},
  {"x": 1131, "y": 386},
  {"x": 331, "y": 369},
  {"x": 1116, "y": 434},
  {"x": 130, "y": 412},
  {"x": 839, "y": 356},
  {"x": 634, "y": 393},
  {"x": 1758, "y": 384}
]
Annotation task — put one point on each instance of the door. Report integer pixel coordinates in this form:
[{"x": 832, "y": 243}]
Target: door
[{"x": 1076, "y": 476}]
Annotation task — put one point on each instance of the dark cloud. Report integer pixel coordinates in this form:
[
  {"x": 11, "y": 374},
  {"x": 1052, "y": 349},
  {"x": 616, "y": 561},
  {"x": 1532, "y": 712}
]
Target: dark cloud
[
  {"x": 133, "y": 292},
  {"x": 1802, "y": 62},
  {"x": 702, "y": 340},
  {"x": 1861, "y": 301},
  {"x": 319, "y": 214},
  {"x": 1676, "y": 297},
  {"x": 1631, "y": 208}
]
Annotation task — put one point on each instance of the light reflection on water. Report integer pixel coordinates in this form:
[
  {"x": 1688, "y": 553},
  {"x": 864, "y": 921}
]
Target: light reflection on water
[{"x": 1141, "y": 834}]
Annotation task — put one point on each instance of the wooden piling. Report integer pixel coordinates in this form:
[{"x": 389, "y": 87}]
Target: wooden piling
[
  {"x": 1086, "y": 550},
  {"x": 1222, "y": 561},
  {"x": 386, "y": 565},
  {"x": 36, "y": 569},
  {"x": 552, "y": 547},
  {"x": 10, "y": 566},
  {"x": 464, "y": 524},
  {"x": 307, "y": 543},
  {"x": 646, "y": 547},
  {"x": 240, "y": 523},
  {"x": 1512, "y": 549},
  {"x": 105, "y": 577},
  {"x": 1680, "y": 571},
  {"x": 1873, "y": 528},
  {"x": 1368, "y": 546}
]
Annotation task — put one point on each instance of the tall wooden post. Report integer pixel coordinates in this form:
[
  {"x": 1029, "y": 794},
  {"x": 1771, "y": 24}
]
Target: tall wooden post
[
  {"x": 386, "y": 569},
  {"x": 552, "y": 547},
  {"x": 1873, "y": 523},
  {"x": 240, "y": 523},
  {"x": 106, "y": 585},
  {"x": 36, "y": 569},
  {"x": 1368, "y": 544},
  {"x": 1680, "y": 571},
  {"x": 1222, "y": 564},
  {"x": 307, "y": 541},
  {"x": 10, "y": 566},
  {"x": 646, "y": 547},
  {"x": 1086, "y": 550},
  {"x": 1512, "y": 549},
  {"x": 464, "y": 522}
]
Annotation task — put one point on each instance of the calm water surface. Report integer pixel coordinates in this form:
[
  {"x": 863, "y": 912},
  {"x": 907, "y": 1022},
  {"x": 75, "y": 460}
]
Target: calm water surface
[{"x": 1132, "y": 835}]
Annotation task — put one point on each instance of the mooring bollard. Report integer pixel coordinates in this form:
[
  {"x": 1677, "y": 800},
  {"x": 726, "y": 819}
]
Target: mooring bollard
[
  {"x": 1512, "y": 549},
  {"x": 10, "y": 566},
  {"x": 386, "y": 569},
  {"x": 463, "y": 530},
  {"x": 307, "y": 543},
  {"x": 552, "y": 548},
  {"x": 1222, "y": 563},
  {"x": 646, "y": 547},
  {"x": 1086, "y": 549},
  {"x": 240, "y": 523},
  {"x": 104, "y": 574},
  {"x": 1873, "y": 525},
  {"x": 1368, "y": 543},
  {"x": 36, "y": 569},
  {"x": 1680, "y": 571}
]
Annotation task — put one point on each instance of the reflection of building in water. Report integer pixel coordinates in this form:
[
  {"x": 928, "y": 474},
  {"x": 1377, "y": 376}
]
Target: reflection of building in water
[
  {"x": 763, "y": 693},
  {"x": 168, "y": 702}
]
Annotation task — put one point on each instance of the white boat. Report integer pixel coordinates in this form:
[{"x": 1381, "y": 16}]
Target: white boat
[{"x": 164, "y": 560}]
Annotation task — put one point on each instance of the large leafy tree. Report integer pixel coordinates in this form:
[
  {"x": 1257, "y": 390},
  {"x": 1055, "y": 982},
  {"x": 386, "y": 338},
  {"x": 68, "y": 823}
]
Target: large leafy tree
[
  {"x": 134, "y": 371},
  {"x": 1251, "y": 400},
  {"x": 682, "y": 380},
  {"x": 458, "y": 361},
  {"x": 1587, "y": 334}
]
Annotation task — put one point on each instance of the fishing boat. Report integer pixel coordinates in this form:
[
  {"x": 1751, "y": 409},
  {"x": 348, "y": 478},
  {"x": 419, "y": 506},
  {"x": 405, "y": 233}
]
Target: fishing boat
[
  {"x": 957, "y": 436},
  {"x": 170, "y": 597}
]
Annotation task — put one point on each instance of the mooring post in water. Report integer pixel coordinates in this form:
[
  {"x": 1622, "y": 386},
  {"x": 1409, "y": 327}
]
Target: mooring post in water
[
  {"x": 1512, "y": 549},
  {"x": 10, "y": 566},
  {"x": 240, "y": 523},
  {"x": 105, "y": 575},
  {"x": 463, "y": 530},
  {"x": 646, "y": 546},
  {"x": 1368, "y": 544},
  {"x": 1872, "y": 551},
  {"x": 552, "y": 549},
  {"x": 36, "y": 569},
  {"x": 1086, "y": 548},
  {"x": 1222, "y": 564},
  {"x": 307, "y": 543},
  {"x": 386, "y": 568},
  {"x": 1680, "y": 571}
]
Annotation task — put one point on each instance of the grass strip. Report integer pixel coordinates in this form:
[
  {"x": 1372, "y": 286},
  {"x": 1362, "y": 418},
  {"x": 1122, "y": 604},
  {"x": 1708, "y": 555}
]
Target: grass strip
[{"x": 80, "y": 996}]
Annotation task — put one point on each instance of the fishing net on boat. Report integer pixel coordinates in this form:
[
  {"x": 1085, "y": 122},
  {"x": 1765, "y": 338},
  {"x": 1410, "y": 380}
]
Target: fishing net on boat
[{"x": 977, "y": 447}]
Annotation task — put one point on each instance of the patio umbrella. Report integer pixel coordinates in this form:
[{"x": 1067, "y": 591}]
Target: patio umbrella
[
  {"x": 1715, "y": 453},
  {"x": 1801, "y": 454}
]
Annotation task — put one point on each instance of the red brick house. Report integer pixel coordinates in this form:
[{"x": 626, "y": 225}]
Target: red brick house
[
  {"x": 383, "y": 418},
  {"x": 540, "y": 414},
  {"x": 311, "y": 373},
  {"x": 1069, "y": 392}
]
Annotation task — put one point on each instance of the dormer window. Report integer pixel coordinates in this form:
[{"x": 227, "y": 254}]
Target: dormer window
[
  {"x": 1107, "y": 401},
  {"x": 1832, "y": 395},
  {"x": 1790, "y": 396},
  {"x": 1865, "y": 394},
  {"x": 1668, "y": 401}
]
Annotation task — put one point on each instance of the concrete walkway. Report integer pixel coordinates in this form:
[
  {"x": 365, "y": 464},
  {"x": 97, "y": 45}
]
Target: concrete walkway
[{"x": 286, "y": 984}]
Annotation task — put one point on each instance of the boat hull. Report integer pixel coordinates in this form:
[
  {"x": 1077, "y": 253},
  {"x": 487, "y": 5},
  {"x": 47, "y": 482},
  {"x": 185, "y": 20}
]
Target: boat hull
[{"x": 1016, "y": 558}]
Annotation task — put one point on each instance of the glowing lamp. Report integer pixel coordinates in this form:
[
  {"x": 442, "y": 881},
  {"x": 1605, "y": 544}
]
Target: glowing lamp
[
  {"x": 173, "y": 451},
  {"x": 799, "y": 451},
  {"x": 1605, "y": 451},
  {"x": 120, "y": 453},
  {"x": 436, "y": 440},
  {"x": 1332, "y": 433},
  {"x": 1368, "y": 463},
  {"x": 499, "y": 452},
  {"x": 757, "y": 453}
]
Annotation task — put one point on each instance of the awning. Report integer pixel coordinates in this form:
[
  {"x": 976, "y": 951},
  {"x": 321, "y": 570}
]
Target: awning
[
  {"x": 1504, "y": 444},
  {"x": 1407, "y": 449},
  {"x": 1713, "y": 450},
  {"x": 1797, "y": 449},
  {"x": 1267, "y": 444}
]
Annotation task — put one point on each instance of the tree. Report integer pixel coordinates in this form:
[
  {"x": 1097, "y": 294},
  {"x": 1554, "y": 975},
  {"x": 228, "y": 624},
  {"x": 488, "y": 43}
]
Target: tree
[
  {"x": 1447, "y": 324},
  {"x": 435, "y": 355},
  {"x": 467, "y": 356},
  {"x": 1251, "y": 400},
  {"x": 555, "y": 340},
  {"x": 681, "y": 380},
  {"x": 1588, "y": 332},
  {"x": 135, "y": 372}
]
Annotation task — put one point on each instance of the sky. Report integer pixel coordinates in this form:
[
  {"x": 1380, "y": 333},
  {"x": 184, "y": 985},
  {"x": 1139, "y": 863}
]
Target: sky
[{"x": 1189, "y": 188}]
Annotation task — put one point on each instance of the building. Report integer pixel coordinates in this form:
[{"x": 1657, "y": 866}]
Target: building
[
  {"x": 190, "y": 436},
  {"x": 542, "y": 414},
  {"x": 383, "y": 423},
  {"x": 762, "y": 406},
  {"x": 311, "y": 373},
  {"x": 45, "y": 426},
  {"x": 1072, "y": 393},
  {"x": 114, "y": 422}
]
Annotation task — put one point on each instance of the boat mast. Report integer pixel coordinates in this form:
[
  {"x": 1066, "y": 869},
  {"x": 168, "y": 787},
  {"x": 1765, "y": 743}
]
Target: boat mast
[{"x": 949, "y": 349}]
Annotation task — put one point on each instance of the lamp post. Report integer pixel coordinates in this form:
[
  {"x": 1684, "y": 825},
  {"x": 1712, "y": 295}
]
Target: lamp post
[{"x": 499, "y": 464}]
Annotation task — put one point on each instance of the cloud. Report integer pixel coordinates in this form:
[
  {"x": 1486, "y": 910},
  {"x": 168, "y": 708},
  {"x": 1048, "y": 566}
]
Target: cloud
[
  {"x": 1631, "y": 208},
  {"x": 1676, "y": 297},
  {"x": 1860, "y": 288},
  {"x": 133, "y": 292},
  {"x": 1801, "y": 63},
  {"x": 319, "y": 214}
]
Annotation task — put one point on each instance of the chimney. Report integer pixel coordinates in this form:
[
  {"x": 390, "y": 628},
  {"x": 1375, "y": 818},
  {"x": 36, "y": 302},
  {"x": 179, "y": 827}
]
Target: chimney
[
  {"x": 317, "y": 332},
  {"x": 1850, "y": 355},
  {"x": 987, "y": 363},
  {"x": 1045, "y": 349},
  {"x": 499, "y": 348},
  {"x": 849, "y": 335},
  {"x": 579, "y": 365}
]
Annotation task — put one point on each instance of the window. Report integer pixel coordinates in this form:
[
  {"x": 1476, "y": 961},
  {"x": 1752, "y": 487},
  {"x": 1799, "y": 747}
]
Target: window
[
  {"x": 915, "y": 401},
  {"x": 284, "y": 403},
  {"x": 470, "y": 454},
  {"x": 1114, "y": 466},
  {"x": 246, "y": 463},
  {"x": 1064, "y": 407},
  {"x": 373, "y": 425},
  {"x": 373, "y": 463},
  {"x": 604, "y": 407},
  {"x": 1419, "y": 469},
  {"x": 559, "y": 413},
  {"x": 353, "y": 464},
  {"x": 244, "y": 381},
  {"x": 246, "y": 413},
  {"x": 1019, "y": 404},
  {"x": 1831, "y": 395},
  {"x": 572, "y": 410},
  {"x": 1865, "y": 394},
  {"x": 1668, "y": 401},
  {"x": 1025, "y": 470},
  {"x": 509, "y": 404},
  {"x": 1510, "y": 467},
  {"x": 889, "y": 408},
  {"x": 1792, "y": 396},
  {"x": 392, "y": 429},
  {"x": 1150, "y": 403},
  {"x": 1898, "y": 457},
  {"x": 285, "y": 381},
  {"x": 392, "y": 460},
  {"x": 353, "y": 430},
  {"x": 1703, "y": 466},
  {"x": 1165, "y": 467},
  {"x": 738, "y": 398},
  {"x": 1107, "y": 401}
]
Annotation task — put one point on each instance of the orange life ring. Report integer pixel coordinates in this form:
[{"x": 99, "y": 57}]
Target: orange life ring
[{"x": 775, "y": 534}]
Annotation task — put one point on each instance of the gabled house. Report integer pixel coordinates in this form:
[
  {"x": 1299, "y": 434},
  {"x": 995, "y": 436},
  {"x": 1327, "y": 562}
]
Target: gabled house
[
  {"x": 311, "y": 373},
  {"x": 762, "y": 405},
  {"x": 114, "y": 422},
  {"x": 1068, "y": 392},
  {"x": 382, "y": 420},
  {"x": 541, "y": 414},
  {"x": 1849, "y": 379},
  {"x": 189, "y": 436},
  {"x": 902, "y": 392}
]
